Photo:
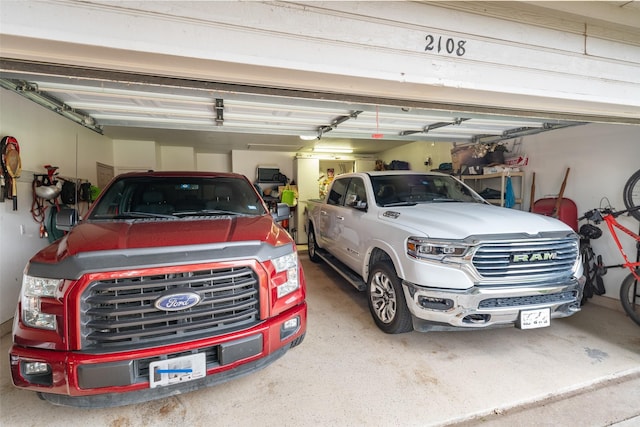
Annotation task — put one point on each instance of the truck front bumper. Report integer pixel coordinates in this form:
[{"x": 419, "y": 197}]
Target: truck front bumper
[
  {"x": 488, "y": 306},
  {"x": 115, "y": 379}
]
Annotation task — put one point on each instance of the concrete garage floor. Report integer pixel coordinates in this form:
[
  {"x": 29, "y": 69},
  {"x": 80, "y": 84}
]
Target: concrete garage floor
[{"x": 584, "y": 370}]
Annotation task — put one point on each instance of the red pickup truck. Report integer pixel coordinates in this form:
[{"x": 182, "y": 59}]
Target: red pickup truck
[{"x": 171, "y": 282}]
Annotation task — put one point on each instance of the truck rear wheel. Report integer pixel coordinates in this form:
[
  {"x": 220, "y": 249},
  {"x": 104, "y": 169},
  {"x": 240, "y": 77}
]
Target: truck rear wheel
[
  {"x": 312, "y": 245},
  {"x": 386, "y": 300}
]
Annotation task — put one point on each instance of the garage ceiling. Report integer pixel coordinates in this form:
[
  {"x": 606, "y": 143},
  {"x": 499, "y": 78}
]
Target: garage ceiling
[{"x": 217, "y": 118}]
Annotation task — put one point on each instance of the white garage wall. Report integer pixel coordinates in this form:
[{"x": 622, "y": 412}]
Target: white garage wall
[
  {"x": 177, "y": 158},
  {"x": 213, "y": 162},
  {"x": 45, "y": 138},
  {"x": 601, "y": 158},
  {"x": 132, "y": 156}
]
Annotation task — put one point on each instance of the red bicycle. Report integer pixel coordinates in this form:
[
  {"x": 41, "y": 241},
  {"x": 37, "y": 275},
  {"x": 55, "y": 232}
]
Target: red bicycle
[{"x": 629, "y": 290}]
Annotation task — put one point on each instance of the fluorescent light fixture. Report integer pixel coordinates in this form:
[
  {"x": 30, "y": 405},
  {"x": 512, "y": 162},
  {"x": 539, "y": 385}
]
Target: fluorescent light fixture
[
  {"x": 160, "y": 120},
  {"x": 308, "y": 137},
  {"x": 291, "y": 147},
  {"x": 332, "y": 150}
]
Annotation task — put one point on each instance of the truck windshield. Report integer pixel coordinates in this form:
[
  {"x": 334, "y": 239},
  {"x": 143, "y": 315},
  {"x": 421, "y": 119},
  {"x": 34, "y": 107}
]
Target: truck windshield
[
  {"x": 161, "y": 196},
  {"x": 410, "y": 189}
]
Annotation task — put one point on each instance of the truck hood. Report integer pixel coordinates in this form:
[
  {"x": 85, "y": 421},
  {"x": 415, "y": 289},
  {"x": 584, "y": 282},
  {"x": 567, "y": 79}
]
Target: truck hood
[
  {"x": 455, "y": 220},
  {"x": 134, "y": 234}
]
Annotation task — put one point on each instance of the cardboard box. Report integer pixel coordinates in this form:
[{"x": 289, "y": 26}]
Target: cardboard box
[
  {"x": 461, "y": 156},
  {"x": 517, "y": 160}
]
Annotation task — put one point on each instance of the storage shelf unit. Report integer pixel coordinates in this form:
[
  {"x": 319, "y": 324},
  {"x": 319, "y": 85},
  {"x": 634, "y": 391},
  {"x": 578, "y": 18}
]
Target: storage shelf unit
[{"x": 480, "y": 182}]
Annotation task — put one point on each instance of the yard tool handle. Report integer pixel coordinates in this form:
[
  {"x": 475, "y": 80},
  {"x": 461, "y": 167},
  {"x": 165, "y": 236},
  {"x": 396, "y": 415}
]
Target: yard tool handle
[
  {"x": 532, "y": 197},
  {"x": 559, "y": 200},
  {"x": 14, "y": 190}
]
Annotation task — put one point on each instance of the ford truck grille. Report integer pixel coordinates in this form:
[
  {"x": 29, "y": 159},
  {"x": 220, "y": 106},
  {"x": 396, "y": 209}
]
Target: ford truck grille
[
  {"x": 120, "y": 313},
  {"x": 518, "y": 260}
]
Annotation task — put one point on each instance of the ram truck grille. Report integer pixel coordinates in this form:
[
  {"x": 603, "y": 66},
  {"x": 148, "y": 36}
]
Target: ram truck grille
[
  {"x": 120, "y": 314},
  {"x": 519, "y": 260}
]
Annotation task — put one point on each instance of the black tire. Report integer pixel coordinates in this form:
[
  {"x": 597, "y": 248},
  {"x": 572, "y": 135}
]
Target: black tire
[
  {"x": 312, "y": 245},
  {"x": 386, "y": 300},
  {"x": 630, "y": 297},
  {"x": 631, "y": 194}
]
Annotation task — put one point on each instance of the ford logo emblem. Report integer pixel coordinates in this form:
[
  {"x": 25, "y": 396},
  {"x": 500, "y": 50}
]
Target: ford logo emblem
[{"x": 177, "y": 301}]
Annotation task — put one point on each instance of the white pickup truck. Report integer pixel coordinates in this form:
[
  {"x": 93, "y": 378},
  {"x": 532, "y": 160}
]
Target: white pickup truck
[{"x": 431, "y": 254}]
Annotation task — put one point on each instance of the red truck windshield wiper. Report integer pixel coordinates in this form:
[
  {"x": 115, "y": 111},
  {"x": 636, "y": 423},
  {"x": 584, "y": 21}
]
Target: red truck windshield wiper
[{"x": 130, "y": 215}]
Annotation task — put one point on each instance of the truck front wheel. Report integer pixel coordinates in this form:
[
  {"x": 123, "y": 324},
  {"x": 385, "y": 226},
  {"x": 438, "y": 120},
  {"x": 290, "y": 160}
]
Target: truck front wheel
[
  {"x": 312, "y": 245},
  {"x": 386, "y": 300}
]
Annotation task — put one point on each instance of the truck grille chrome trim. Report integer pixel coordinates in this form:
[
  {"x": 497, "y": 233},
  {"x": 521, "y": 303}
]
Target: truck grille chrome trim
[
  {"x": 120, "y": 314},
  {"x": 522, "y": 260}
]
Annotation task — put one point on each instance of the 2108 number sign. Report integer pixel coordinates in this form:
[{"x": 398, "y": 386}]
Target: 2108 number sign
[{"x": 448, "y": 45}]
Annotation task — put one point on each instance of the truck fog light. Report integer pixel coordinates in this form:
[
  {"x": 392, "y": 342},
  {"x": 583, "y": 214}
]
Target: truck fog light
[
  {"x": 35, "y": 368},
  {"x": 477, "y": 318},
  {"x": 435, "y": 303},
  {"x": 289, "y": 327},
  {"x": 291, "y": 323}
]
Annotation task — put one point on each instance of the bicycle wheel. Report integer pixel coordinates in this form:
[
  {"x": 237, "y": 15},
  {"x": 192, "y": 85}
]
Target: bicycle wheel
[
  {"x": 631, "y": 194},
  {"x": 630, "y": 297}
]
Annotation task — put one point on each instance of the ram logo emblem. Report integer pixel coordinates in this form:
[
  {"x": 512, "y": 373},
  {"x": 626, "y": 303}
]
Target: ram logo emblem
[{"x": 535, "y": 257}]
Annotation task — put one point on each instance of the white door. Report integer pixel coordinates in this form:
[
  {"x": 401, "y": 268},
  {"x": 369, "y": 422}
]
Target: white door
[{"x": 104, "y": 173}]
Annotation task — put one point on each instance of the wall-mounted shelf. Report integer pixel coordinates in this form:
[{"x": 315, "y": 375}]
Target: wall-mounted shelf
[{"x": 480, "y": 182}]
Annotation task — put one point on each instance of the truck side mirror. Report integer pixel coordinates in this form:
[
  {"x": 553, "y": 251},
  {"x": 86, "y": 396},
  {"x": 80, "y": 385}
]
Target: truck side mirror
[
  {"x": 282, "y": 212},
  {"x": 66, "y": 219}
]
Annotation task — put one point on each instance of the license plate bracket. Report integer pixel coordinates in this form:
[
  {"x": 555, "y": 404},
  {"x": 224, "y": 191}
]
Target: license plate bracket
[
  {"x": 536, "y": 318},
  {"x": 177, "y": 370}
]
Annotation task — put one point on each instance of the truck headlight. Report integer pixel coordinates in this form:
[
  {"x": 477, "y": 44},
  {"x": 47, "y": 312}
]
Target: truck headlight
[
  {"x": 420, "y": 247},
  {"x": 33, "y": 290},
  {"x": 286, "y": 274}
]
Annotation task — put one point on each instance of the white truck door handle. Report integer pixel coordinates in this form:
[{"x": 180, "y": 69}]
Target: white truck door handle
[
  {"x": 323, "y": 213},
  {"x": 341, "y": 218}
]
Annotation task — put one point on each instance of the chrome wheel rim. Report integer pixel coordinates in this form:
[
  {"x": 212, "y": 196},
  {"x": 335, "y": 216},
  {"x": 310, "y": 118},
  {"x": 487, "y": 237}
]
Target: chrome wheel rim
[{"x": 383, "y": 297}]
